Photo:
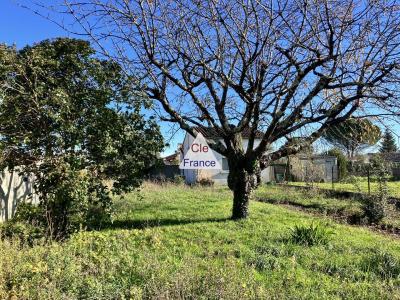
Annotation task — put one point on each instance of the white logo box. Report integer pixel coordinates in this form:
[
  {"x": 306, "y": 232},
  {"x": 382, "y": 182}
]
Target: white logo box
[{"x": 200, "y": 156}]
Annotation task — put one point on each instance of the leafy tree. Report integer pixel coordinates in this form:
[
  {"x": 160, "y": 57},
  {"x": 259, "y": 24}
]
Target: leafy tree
[
  {"x": 341, "y": 161},
  {"x": 388, "y": 143},
  {"x": 74, "y": 122},
  {"x": 353, "y": 135},
  {"x": 273, "y": 68}
]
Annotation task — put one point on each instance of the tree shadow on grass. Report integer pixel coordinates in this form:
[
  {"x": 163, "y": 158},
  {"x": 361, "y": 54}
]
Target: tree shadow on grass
[{"x": 150, "y": 223}]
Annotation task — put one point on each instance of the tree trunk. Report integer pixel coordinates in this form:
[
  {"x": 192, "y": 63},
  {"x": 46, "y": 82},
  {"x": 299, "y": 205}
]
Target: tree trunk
[
  {"x": 241, "y": 198},
  {"x": 242, "y": 181}
]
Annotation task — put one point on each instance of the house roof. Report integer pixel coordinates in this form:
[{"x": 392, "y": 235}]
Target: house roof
[
  {"x": 210, "y": 132},
  {"x": 171, "y": 159}
]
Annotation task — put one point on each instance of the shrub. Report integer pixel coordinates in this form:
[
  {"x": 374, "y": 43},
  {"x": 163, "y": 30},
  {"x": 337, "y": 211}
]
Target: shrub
[
  {"x": 341, "y": 161},
  {"x": 375, "y": 207},
  {"x": 205, "y": 182},
  {"x": 178, "y": 179},
  {"x": 30, "y": 213},
  {"x": 23, "y": 231},
  {"x": 72, "y": 200},
  {"x": 69, "y": 200},
  {"x": 28, "y": 224},
  {"x": 313, "y": 234},
  {"x": 376, "y": 167}
]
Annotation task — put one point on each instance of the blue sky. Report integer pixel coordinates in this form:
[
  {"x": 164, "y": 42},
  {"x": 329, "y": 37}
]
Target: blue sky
[{"x": 22, "y": 27}]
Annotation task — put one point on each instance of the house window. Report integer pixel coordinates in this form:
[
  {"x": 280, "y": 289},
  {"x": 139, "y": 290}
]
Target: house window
[{"x": 225, "y": 166}]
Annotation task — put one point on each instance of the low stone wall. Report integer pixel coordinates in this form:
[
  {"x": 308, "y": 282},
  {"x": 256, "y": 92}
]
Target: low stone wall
[{"x": 14, "y": 189}]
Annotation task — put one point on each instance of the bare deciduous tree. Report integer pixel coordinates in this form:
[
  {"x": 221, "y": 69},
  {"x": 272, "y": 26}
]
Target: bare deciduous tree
[{"x": 280, "y": 67}]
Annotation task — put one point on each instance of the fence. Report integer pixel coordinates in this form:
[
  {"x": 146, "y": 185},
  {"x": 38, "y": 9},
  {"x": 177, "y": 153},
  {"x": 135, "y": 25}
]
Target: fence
[{"x": 14, "y": 188}]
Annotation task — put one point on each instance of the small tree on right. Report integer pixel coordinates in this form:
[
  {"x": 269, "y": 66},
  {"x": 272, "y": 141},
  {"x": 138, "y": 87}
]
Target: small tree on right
[{"x": 388, "y": 143}]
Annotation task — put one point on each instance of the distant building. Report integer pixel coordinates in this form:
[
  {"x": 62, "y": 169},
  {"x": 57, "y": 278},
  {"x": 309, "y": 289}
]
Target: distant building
[
  {"x": 173, "y": 159},
  {"x": 324, "y": 168},
  {"x": 217, "y": 176},
  {"x": 302, "y": 167}
]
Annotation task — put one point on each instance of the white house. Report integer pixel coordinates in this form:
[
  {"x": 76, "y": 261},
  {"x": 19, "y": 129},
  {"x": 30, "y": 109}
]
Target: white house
[{"x": 218, "y": 176}]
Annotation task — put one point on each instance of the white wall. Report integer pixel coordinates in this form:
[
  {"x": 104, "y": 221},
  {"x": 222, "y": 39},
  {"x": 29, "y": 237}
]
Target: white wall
[
  {"x": 14, "y": 189},
  {"x": 190, "y": 175}
]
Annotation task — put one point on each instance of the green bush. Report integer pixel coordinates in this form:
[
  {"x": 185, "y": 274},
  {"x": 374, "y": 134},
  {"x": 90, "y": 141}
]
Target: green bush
[
  {"x": 28, "y": 224},
  {"x": 375, "y": 207},
  {"x": 178, "y": 179},
  {"x": 69, "y": 201},
  {"x": 341, "y": 161},
  {"x": 72, "y": 200},
  {"x": 310, "y": 235},
  {"x": 23, "y": 231},
  {"x": 30, "y": 213}
]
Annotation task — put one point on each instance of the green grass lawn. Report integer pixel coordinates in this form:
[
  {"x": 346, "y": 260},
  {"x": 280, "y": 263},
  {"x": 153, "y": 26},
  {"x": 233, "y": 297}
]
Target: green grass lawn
[
  {"x": 175, "y": 242},
  {"x": 393, "y": 186}
]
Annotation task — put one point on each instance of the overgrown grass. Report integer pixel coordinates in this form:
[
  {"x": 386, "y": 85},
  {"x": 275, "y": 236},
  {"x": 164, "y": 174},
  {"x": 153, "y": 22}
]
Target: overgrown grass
[
  {"x": 175, "y": 242},
  {"x": 311, "y": 200},
  {"x": 314, "y": 201},
  {"x": 393, "y": 186}
]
